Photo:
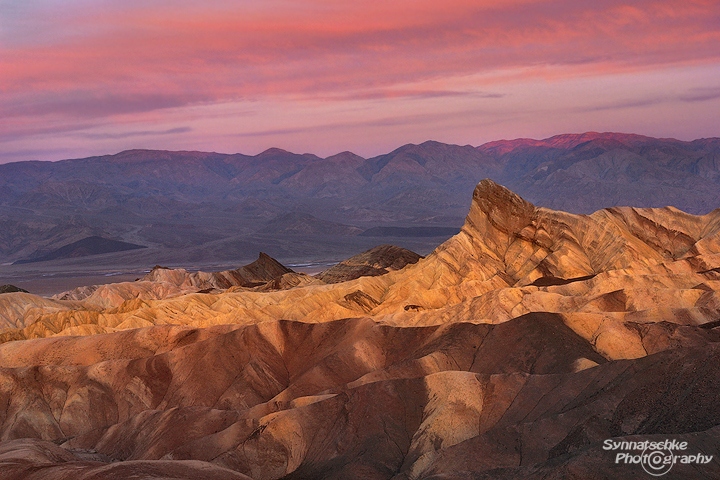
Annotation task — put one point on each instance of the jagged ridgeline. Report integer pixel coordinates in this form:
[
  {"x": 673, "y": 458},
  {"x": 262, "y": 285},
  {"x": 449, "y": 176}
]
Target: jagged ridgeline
[
  {"x": 194, "y": 207},
  {"x": 513, "y": 350}
]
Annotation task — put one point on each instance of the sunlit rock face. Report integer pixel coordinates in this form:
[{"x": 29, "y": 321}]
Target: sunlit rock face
[
  {"x": 512, "y": 351},
  {"x": 510, "y": 258}
]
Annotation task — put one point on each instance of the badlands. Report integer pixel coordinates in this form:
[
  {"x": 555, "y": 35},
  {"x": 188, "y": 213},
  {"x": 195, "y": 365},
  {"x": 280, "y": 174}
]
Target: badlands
[{"x": 514, "y": 350}]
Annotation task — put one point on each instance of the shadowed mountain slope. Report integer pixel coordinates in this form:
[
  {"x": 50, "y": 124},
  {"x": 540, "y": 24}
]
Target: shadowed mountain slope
[
  {"x": 192, "y": 206},
  {"x": 83, "y": 248}
]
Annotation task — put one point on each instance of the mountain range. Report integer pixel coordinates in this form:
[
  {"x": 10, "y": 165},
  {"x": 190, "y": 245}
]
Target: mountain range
[{"x": 204, "y": 207}]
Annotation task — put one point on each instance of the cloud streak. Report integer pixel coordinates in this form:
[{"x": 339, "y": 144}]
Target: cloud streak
[
  {"x": 144, "y": 133},
  {"x": 701, "y": 94},
  {"x": 74, "y": 61}
]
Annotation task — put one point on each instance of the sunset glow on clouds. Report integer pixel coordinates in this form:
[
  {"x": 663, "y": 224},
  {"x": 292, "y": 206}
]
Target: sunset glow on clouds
[{"x": 81, "y": 77}]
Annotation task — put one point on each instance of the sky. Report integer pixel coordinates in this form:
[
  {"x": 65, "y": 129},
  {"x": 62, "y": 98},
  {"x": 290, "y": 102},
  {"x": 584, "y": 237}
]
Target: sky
[{"x": 91, "y": 77}]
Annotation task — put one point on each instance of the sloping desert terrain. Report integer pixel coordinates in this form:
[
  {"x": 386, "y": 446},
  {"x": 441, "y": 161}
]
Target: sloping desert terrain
[{"x": 514, "y": 350}]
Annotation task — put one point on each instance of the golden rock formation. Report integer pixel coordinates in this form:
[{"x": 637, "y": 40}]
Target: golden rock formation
[
  {"x": 513, "y": 350},
  {"x": 600, "y": 271}
]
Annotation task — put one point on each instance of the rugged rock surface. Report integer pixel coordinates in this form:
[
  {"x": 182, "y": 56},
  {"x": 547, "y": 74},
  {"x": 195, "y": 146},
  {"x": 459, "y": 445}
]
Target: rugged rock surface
[
  {"x": 163, "y": 282},
  {"x": 31, "y": 459},
  {"x": 11, "y": 289},
  {"x": 602, "y": 270},
  {"x": 19, "y": 309},
  {"x": 376, "y": 261},
  {"x": 259, "y": 272},
  {"x": 514, "y": 350},
  {"x": 344, "y": 399}
]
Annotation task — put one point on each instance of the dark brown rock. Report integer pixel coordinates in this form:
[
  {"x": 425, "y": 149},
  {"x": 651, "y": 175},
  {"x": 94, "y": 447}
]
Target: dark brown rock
[{"x": 376, "y": 261}]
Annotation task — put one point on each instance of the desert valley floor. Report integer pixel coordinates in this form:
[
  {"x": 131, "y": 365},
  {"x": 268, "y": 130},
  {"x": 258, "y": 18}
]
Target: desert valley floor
[{"x": 515, "y": 349}]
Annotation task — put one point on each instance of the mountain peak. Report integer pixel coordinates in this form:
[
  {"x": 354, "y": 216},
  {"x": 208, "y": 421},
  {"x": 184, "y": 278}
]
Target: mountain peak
[
  {"x": 346, "y": 155},
  {"x": 505, "y": 209},
  {"x": 274, "y": 151},
  {"x": 263, "y": 269}
]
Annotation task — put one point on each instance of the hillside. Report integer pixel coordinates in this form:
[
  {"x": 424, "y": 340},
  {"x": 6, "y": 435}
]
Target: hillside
[
  {"x": 82, "y": 248},
  {"x": 514, "y": 350},
  {"x": 210, "y": 207}
]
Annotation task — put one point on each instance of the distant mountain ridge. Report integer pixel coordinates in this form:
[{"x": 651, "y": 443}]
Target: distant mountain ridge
[{"x": 210, "y": 205}]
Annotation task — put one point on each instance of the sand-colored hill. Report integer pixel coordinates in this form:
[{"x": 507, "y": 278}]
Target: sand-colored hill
[
  {"x": 344, "y": 399},
  {"x": 513, "y": 350},
  {"x": 600, "y": 271},
  {"x": 163, "y": 283}
]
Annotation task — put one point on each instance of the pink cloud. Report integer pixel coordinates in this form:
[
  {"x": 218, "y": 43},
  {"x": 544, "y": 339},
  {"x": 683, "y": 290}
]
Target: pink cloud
[{"x": 111, "y": 59}]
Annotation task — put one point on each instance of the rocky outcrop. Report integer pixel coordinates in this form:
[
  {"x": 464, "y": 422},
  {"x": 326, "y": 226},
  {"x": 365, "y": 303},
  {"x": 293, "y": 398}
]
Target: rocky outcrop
[
  {"x": 599, "y": 271},
  {"x": 376, "y": 261},
  {"x": 514, "y": 350},
  {"x": 11, "y": 289},
  {"x": 259, "y": 272},
  {"x": 526, "y": 242},
  {"x": 163, "y": 282}
]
